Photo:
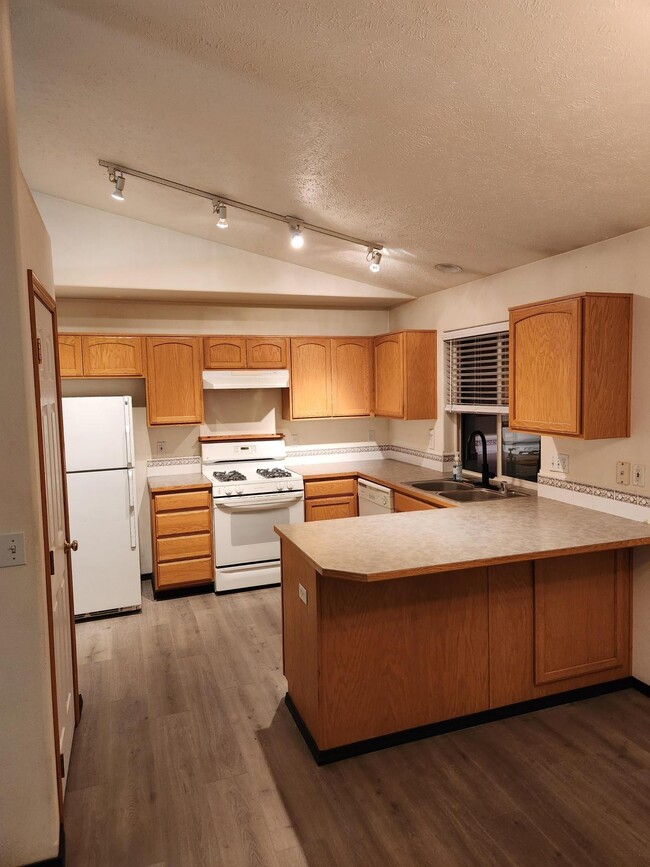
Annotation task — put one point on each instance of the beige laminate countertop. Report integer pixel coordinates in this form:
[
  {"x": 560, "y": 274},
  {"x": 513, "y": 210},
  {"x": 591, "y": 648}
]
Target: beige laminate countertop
[
  {"x": 379, "y": 547},
  {"x": 159, "y": 484}
]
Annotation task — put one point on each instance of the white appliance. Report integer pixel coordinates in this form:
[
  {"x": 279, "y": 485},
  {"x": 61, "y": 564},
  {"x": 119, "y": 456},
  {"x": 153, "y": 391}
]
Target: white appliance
[
  {"x": 99, "y": 459},
  {"x": 226, "y": 379},
  {"x": 374, "y": 499},
  {"x": 253, "y": 492}
]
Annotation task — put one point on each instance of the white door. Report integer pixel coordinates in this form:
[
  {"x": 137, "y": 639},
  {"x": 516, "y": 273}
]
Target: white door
[
  {"x": 102, "y": 518},
  {"x": 56, "y": 532},
  {"x": 98, "y": 433}
]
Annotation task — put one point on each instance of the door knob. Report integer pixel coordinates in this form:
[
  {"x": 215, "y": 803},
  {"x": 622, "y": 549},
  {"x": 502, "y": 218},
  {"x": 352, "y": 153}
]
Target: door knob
[{"x": 71, "y": 546}]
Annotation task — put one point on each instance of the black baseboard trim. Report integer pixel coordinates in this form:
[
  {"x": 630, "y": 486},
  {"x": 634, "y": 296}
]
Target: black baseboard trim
[
  {"x": 146, "y": 576},
  {"x": 58, "y": 860},
  {"x": 178, "y": 592},
  {"x": 336, "y": 754}
]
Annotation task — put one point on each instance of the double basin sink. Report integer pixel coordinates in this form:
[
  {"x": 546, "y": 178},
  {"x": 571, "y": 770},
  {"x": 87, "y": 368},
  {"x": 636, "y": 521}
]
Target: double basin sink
[{"x": 464, "y": 492}]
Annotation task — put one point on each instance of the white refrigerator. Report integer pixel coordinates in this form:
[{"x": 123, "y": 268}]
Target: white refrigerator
[{"x": 99, "y": 459}]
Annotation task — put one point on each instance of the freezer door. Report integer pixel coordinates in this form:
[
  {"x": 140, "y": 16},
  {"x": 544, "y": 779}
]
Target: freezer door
[
  {"x": 106, "y": 568},
  {"x": 98, "y": 433}
]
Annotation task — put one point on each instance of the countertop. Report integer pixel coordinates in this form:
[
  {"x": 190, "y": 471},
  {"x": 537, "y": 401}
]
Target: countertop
[
  {"x": 160, "y": 484},
  {"x": 379, "y": 547}
]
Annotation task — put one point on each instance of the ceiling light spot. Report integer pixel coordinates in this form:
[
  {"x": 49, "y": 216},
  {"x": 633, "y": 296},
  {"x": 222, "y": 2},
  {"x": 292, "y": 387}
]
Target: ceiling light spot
[{"x": 448, "y": 268}]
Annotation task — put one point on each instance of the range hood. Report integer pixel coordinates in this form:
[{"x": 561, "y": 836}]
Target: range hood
[{"x": 223, "y": 379}]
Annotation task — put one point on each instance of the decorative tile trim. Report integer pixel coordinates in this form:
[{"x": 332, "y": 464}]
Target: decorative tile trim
[
  {"x": 595, "y": 491},
  {"x": 174, "y": 462},
  {"x": 447, "y": 458},
  {"x": 334, "y": 450}
]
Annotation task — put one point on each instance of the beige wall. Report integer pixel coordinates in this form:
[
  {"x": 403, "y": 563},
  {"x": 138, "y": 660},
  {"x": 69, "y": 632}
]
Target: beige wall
[
  {"x": 255, "y": 411},
  {"x": 29, "y": 819},
  {"x": 618, "y": 265}
]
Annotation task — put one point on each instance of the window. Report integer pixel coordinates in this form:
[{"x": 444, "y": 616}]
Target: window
[{"x": 476, "y": 363}]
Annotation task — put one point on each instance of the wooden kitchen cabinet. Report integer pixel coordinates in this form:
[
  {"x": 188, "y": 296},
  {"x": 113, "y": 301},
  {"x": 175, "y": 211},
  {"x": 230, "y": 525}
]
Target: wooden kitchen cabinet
[
  {"x": 267, "y": 353},
  {"x": 311, "y": 377},
  {"x": 70, "y": 358},
  {"x": 174, "y": 380},
  {"x": 404, "y": 503},
  {"x": 240, "y": 353},
  {"x": 112, "y": 356},
  {"x": 570, "y": 365},
  {"x": 224, "y": 353},
  {"x": 331, "y": 498},
  {"x": 351, "y": 376},
  {"x": 181, "y": 522},
  {"x": 405, "y": 375}
]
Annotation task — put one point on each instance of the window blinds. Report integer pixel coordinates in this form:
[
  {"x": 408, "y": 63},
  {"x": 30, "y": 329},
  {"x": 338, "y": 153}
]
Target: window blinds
[{"x": 476, "y": 367}]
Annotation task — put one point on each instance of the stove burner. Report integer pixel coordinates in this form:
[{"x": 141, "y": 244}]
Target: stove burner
[
  {"x": 232, "y": 476},
  {"x": 274, "y": 473}
]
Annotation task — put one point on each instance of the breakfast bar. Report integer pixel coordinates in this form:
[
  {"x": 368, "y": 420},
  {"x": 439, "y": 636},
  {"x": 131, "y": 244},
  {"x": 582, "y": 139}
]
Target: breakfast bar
[{"x": 401, "y": 626}]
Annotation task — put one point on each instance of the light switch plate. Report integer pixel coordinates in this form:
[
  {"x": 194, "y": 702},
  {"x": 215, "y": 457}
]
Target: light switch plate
[
  {"x": 12, "y": 549},
  {"x": 302, "y": 592},
  {"x": 638, "y": 475}
]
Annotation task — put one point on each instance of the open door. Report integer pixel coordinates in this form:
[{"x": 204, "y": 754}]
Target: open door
[{"x": 56, "y": 528}]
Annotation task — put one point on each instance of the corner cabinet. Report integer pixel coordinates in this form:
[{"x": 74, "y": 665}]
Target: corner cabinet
[
  {"x": 570, "y": 366},
  {"x": 405, "y": 375},
  {"x": 174, "y": 380},
  {"x": 70, "y": 360}
]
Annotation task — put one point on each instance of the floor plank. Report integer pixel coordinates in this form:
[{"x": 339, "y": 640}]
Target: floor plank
[{"x": 186, "y": 755}]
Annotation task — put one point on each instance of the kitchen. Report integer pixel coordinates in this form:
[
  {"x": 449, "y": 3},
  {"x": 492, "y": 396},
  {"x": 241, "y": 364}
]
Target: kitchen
[{"x": 477, "y": 640}]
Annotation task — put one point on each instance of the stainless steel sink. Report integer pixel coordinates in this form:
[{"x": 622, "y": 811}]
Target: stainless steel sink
[
  {"x": 480, "y": 495},
  {"x": 441, "y": 485}
]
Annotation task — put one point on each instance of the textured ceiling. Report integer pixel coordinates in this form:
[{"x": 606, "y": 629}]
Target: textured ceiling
[{"x": 488, "y": 133}]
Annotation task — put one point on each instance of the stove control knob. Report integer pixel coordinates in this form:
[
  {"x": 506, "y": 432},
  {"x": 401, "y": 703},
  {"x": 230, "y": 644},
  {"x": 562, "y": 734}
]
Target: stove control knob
[
  {"x": 278, "y": 486},
  {"x": 228, "y": 492},
  {"x": 239, "y": 491},
  {"x": 289, "y": 486}
]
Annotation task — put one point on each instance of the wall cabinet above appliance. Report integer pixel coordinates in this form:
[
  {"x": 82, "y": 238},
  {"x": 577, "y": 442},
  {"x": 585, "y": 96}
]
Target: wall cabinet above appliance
[
  {"x": 570, "y": 366},
  {"x": 405, "y": 375},
  {"x": 100, "y": 355},
  {"x": 253, "y": 353}
]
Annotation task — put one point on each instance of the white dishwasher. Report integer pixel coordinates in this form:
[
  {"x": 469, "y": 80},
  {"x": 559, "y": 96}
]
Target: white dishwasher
[{"x": 374, "y": 499}]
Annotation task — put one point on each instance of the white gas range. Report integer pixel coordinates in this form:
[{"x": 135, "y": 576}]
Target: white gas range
[{"x": 252, "y": 492}]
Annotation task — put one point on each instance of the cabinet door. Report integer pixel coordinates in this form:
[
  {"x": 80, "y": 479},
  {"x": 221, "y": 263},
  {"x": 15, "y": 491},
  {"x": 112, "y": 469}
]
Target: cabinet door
[
  {"x": 351, "y": 376},
  {"x": 403, "y": 503},
  {"x": 70, "y": 355},
  {"x": 328, "y": 508},
  {"x": 224, "y": 353},
  {"x": 311, "y": 377},
  {"x": 545, "y": 367},
  {"x": 174, "y": 382},
  {"x": 389, "y": 376},
  {"x": 112, "y": 356},
  {"x": 268, "y": 353}
]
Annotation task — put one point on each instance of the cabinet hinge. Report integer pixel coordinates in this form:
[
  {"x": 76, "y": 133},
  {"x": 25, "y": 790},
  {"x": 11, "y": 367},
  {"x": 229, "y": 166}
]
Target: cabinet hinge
[
  {"x": 39, "y": 350},
  {"x": 62, "y": 764}
]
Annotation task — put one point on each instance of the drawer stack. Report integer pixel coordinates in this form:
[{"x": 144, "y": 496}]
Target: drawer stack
[
  {"x": 182, "y": 538},
  {"x": 331, "y": 498}
]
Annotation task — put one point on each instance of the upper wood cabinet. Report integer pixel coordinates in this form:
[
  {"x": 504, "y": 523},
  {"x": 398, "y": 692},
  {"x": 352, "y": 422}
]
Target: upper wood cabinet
[
  {"x": 405, "y": 375},
  {"x": 112, "y": 356},
  {"x": 70, "y": 360},
  {"x": 174, "y": 380},
  {"x": 330, "y": 377},
  {"x": 570, "y": 366},
  {"x": 233, "y": 353},
  {"x": 269, "y": 353}
]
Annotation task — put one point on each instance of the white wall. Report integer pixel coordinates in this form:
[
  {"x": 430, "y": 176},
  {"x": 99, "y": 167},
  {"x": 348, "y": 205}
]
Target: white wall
[
  {"x": 29, "y": 816},
  {"x": 618, "y": 265},
  {"x": 255, "y": 411}
]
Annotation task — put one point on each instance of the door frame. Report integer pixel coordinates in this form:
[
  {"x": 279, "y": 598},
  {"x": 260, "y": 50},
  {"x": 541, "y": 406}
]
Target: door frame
[{"x": 37, "y": 290}]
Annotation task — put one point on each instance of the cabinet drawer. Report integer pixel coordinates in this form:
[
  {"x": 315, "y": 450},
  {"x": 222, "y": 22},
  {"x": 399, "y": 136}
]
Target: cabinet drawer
[
  {"x": 410, "y": 504},
  {"x": 177, "y": 523},
  {"x": 331, "y": 488},
  {"x": 328, "y": 508},
  {"x": 182, "y": 500},
  {"x": 184, "y": 572},
  {"x": 183, "y": 547}
]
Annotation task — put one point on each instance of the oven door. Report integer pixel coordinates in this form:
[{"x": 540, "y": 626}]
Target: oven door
[{"x": 243, "y": 526}]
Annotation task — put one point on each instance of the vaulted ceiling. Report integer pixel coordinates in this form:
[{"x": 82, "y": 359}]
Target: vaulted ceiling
[{"x": 487, "y": 133}]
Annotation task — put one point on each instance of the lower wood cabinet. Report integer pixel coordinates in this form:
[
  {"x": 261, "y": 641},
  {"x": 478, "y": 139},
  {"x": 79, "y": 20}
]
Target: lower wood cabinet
[
  {"x": 331, "y": 498},
  {"x": 181, "y": 522},
  {"x": 404, "y": 503}
]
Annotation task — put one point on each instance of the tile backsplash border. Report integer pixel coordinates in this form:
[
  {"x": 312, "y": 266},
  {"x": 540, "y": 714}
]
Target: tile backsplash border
[{"x": 602, "y": 499}]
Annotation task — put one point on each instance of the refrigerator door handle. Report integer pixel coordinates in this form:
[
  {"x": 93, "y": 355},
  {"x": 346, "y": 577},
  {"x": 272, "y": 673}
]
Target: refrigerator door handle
[
  {"x": 132, "y": 520},
  {"x": 127, "y": 431}
]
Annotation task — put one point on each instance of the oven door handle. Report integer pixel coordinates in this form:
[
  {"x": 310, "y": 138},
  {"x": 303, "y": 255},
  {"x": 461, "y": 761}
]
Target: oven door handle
[{"x": 259, "y": 506}]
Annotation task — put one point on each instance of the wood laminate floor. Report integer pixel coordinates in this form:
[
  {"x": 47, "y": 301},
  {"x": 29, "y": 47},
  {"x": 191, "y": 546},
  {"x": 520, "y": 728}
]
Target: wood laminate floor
[{"x": 186, "y": 755}]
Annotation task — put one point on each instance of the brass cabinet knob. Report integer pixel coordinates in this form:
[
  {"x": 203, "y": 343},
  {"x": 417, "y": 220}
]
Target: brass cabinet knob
[{"x": 71, "y": 546}]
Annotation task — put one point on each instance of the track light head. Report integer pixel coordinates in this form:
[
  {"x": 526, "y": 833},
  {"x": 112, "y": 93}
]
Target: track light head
[
  {"x": 374, "y": 258},
  {"x": 220, "y": 209},
  {"x": 297, "y": 240},
  {"x": 118, "y": 180}
]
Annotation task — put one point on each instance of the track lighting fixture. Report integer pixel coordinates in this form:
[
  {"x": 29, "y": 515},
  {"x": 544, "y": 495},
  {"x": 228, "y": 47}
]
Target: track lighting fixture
[
  {"x": 374, "y": 257},
  {"x": 118, "y": 180},
  {"x": 220, "y": 209},
  {"x": 297, "y": 239}
]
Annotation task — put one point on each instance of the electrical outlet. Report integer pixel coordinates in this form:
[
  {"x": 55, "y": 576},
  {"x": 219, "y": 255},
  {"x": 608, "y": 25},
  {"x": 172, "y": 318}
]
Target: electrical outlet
[
  {"x": 294, "y": 439},
  {"x": 371, "y": 436},
  {"x": 302, "y": 592},
  {"x": 623, "y": 473},
  {"x": 161, "y": 448},
  {"x": 431, "y": 446},
  {"x": 559, "y": 464},
  {"x": 638, "y": 475}
]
